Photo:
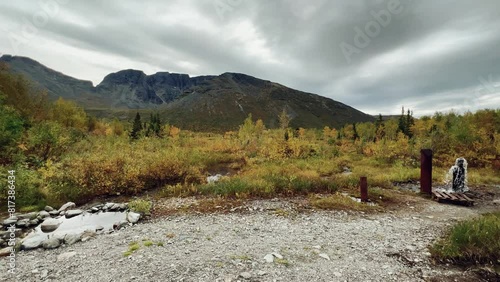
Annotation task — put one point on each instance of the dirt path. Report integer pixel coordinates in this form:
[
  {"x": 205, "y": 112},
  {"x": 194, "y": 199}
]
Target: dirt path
[{"x": 307, "y": 246}]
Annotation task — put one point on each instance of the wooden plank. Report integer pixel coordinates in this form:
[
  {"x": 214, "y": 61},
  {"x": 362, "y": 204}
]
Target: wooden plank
[
  {"x": 467, "y": 198},
  {"x": 439, "y": 195},
  {"x": 454, "y": 198},
  {"x": 463, "y": 197},
  {"x": 451, "y": 196}
]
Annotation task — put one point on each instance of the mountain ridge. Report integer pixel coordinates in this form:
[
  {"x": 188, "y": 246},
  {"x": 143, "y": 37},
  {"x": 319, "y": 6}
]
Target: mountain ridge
[{"x": 207, "y": 102}]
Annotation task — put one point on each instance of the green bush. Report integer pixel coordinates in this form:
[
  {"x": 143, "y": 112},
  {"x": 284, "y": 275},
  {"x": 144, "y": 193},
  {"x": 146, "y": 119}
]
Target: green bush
[
  {"x": 11, "y": 128},
  {"x": 28, "y": 189},
  {"x": 472, "y": 241},
  {"x": 140, "y": 206}
]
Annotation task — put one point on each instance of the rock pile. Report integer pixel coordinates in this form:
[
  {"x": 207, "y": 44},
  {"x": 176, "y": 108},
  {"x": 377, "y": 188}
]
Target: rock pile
[{"x": 50, "y": 219}]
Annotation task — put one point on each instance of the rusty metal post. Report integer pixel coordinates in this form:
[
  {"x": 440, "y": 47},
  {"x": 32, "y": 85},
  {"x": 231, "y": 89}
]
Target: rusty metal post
[
  {"x": 426, "y": 171},
  {"x": 363, "y": 187}
]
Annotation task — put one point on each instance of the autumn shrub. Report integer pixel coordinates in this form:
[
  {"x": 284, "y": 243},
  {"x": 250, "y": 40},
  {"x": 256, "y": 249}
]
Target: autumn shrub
[
  {"x": 121, "y": 167},
  {"x": 49, "y": 139}
]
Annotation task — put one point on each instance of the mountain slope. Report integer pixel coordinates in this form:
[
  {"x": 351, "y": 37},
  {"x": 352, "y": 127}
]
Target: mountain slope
[
  {"x": 225, "y": 101},
  {"x": 199, "y": 103}
]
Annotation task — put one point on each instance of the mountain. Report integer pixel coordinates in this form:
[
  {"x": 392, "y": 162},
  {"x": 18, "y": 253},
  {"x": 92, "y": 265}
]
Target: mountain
[
  {"x": 134, "y": 89},
  {"x": 203, "y": 103}
]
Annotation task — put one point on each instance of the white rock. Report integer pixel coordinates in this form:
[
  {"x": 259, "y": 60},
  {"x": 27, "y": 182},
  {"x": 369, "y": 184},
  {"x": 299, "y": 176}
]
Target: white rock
[
  {"x": 50, "y": 224},
  {"x": 54, "y": 213},
  {"x": 317, "y": 247},
  {"x": 67, "y": 206},
  {"x": 32, "y": 242},
  {"x": 337, "y": 274},
  {"x": 72, "y": 213},
  {"x": 65, "y": 256},
  {"x": 43, "y": 214},
  {"x": 133, "y": 217},
  {"x": 246, "y": 275},
  {"x": 30, "y": 215},
  {"x": 325, "y": 256},
  {"x": 10, "y": 220},
  {"x": 269, "y": 258},
  {"x": 214, "y": 178},
  {"x": 51, "y": 243}
]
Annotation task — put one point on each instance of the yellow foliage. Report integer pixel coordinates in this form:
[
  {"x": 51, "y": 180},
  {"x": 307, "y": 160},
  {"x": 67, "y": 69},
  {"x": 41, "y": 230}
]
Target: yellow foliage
[
  {"x": 69, "y": 114},
  {"x": 174, "y": 131}
]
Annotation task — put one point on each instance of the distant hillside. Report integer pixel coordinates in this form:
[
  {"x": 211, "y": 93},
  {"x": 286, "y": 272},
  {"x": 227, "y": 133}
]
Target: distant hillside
[{"x": 199, "y": 103}]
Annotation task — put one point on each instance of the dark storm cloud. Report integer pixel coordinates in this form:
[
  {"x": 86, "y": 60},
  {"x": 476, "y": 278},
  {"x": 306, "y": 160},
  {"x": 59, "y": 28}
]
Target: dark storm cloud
[{"x": 374, "y": 55}]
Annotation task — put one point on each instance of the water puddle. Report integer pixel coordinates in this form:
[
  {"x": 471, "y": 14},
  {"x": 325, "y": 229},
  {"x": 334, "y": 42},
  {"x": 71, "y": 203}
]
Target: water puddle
[{"x": 83, "y": 222}]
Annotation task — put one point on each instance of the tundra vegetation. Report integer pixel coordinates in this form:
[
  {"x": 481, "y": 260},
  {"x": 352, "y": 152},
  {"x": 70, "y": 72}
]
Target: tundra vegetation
[{"x": 60, "y": 153}]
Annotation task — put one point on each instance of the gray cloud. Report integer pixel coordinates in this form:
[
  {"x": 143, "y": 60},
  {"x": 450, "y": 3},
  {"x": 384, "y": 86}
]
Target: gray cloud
[{"x": 430, "y": 55}]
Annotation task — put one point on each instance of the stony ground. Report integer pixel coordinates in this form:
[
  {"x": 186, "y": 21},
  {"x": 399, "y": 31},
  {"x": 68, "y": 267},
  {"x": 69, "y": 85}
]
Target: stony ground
[{"x": 304, "y": 246}]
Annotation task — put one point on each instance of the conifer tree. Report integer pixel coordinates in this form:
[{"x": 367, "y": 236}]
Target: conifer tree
[{"x": 136, "y": 127}]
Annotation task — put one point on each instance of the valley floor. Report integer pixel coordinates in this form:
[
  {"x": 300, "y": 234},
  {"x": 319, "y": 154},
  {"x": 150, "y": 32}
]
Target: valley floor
[{"x": 307, "y": 245}]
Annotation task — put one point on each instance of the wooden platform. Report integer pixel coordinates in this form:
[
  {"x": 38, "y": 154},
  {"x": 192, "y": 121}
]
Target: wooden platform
[{"x": 453, "y": 198}]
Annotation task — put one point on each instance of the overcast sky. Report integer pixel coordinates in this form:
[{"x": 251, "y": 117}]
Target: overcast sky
[{"x": 374, "y": 55}]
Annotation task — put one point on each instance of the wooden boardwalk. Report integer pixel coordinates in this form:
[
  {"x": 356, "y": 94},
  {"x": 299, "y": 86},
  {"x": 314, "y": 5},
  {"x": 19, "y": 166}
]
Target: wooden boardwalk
[{"x": 453, "y": 198}]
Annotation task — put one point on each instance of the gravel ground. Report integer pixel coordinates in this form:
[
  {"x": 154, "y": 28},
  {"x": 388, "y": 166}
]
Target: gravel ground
[{"x": 314, "y": 246}]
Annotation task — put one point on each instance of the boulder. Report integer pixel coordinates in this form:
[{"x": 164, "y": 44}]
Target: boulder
[
  {"x": 72, "y": 238},
  {"x": 54, "y": 213},
  {"x": 119, "y": 225},
  {"x": 133, "y": 217},
  {"x": 48, "y": 208},
  {"x": 34, "y": 222},
  {"x": 50, "y": 224},
  {"x": 10, "y": 220},
  {"x": 73, "y": 213},
  {"x": 31, "y": 215},
  {"x": 32, "y": 242},
  {"x": 43, "y": 214},
  {"x": 67, "y": 206},
  {"x": 23, "y": 223},
  {"x": 51, "y": 243}
]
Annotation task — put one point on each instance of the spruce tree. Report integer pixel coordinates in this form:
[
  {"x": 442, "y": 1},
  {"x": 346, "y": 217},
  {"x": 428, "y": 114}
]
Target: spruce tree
[{"x": 136, "y": 127}]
